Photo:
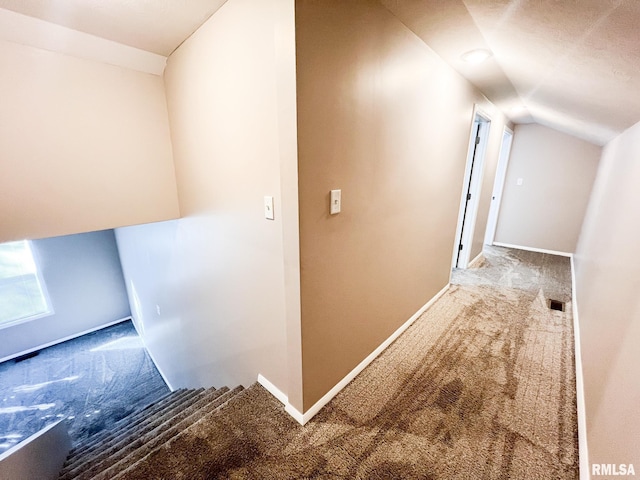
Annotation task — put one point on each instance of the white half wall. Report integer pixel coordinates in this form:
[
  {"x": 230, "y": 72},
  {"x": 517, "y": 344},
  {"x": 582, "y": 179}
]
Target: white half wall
[
  {"x": 40, "y": 456},
  {"x": 85, "y": 285},
  {"x": 547, "y": 189},
  {"x": 208, "y": 291}
]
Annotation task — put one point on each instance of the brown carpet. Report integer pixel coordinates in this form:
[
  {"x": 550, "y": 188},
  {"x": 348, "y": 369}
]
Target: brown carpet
[{"x": 480, "y": 387}]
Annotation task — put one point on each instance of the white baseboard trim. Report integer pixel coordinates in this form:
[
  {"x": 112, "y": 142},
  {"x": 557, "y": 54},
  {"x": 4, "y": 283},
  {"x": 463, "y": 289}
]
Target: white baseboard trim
[
  {"x": 303, "y": 418},
  {"x": 533, "y": 249},
  {"x": 284, "y": 399},
  {"x": 273, "y": 390},
  {"x": 153, "y": 359},
  {"x": 297, "y": 416},
  {"x": 583, "y": 450},
  {"x": 164, "y": 377},
  {"x": 475, "y": 260},
  {"x": 70, "y": 337}
]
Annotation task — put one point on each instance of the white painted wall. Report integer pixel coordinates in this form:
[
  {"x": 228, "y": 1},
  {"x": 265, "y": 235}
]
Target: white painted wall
[
  {"x": 607, "y": 283},
  {"x": 85, "y": 146},
  {"x": 40, "y": 456},
  {"x": 208, "y": 290},
  {"x": 84, "y": 280},
  {"x": 557, "y": 172}
]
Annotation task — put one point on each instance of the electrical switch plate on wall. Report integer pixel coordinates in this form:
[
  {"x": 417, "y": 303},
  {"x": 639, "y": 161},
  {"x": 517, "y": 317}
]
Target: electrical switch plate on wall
[
  {"x": 268, "y": 208},
  {"x": 336, "y": 201}
]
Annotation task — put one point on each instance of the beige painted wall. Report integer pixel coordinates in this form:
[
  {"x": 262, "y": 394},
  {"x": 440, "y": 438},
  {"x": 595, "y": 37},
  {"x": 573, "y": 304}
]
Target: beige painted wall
[
  {"x": 608, "y": 282},
  {"x": 383, "y": 118},
  {"x": 85, "y": 146},
  {"x": 208, "y": 291},
  {"x": 557, "y": 172}
]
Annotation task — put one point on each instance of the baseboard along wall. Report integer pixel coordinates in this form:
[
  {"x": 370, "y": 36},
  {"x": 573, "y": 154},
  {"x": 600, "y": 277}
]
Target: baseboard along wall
[
  {"x": 533, "y": 249},
  {"x": 153, "y": 359},
  {"x": 61, "y": 340},
  {"x": 475, "y": 261},
  {"x": 583, "y": 449},
  {"x": 303, "y": 418}
]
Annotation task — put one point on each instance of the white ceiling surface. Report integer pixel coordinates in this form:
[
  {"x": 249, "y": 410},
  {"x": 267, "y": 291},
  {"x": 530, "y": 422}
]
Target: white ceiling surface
[
  {"x": 157, "y": 26},
  {"x": 575, "y": 64}
]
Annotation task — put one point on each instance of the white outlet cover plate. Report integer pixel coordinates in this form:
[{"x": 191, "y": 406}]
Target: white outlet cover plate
[
  {"x": 268, "y": 208},
  {"x": 336, "y": 201}
]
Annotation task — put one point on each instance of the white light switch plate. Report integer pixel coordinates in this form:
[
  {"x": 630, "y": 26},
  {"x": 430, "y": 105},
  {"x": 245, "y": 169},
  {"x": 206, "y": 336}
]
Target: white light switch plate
[
  {"x": 268, "y": 208},
  {"x": 336, "y": 201},
  {"x": 519, "y": 182}
]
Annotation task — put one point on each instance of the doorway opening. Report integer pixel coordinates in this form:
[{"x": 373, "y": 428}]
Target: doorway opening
[
  {"x": 469, "y": 200},
  {"x": 498, "y": 186}
]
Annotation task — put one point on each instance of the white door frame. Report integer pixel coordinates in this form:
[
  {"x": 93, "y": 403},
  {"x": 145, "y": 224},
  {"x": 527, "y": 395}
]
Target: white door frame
[
  {"x": 473, "y": 174},
  {"x": 498, "y": 185}
]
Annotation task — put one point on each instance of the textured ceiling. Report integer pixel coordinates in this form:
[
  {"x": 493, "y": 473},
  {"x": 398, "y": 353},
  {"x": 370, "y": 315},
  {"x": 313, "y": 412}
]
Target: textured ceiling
[
  {"x": 575, "y": 64},
  {"x": 157, "y": 26}
]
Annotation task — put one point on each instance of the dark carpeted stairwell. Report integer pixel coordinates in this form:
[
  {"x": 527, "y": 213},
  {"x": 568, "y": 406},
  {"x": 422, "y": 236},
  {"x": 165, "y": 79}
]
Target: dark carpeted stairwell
[{"x": 136, "y": 436}]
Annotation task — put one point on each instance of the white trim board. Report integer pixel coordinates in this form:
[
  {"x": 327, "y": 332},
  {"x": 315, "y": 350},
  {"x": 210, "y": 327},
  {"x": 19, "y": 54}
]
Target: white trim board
[
  {"x": 473, "y": 262},
  {"x": 533, "y": 249},
  {"x": 273, "y": 390},
  {"x": 471, "y": 184},
  {"x": 303, "y": 418},
  {"x": 498, "y": 185},
  {"x": 70, "y": 337},
  {"x": 583, "y": 450},
  {"x": 164, "y": 377}
]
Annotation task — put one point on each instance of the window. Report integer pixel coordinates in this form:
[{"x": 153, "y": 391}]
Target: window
[{"x": 22, "y": 291}]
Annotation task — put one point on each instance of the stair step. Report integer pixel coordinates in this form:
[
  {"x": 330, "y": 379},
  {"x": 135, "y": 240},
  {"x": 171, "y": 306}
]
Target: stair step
[
  {"x": 138, "y": 470},
  {"x": 135, "y": 437},
  {"x": 145, "y": 423},
  {"x": 134, "y": 416},
  {"x": 140, "y": 420},
  {"x": 126, "y": 443},
  {"x": 128, "y": 463}
]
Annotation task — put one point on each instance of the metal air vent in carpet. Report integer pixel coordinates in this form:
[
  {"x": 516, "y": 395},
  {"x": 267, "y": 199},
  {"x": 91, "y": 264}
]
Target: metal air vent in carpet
[{"x": 556, "y": 305}]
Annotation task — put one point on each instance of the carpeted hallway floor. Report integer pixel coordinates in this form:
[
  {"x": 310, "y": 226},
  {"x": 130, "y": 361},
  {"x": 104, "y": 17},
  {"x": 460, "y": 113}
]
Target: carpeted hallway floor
[{"x": 481, "y": 386}]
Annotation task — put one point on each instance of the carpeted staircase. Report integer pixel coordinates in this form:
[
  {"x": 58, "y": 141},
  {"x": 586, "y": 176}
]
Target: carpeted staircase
[{"x": 106, "y": 455}]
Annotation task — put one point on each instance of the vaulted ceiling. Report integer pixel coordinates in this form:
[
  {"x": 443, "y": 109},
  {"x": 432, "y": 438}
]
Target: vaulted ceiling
[
  {"x": 157, "y": 26},
  {"x": 573, "y": 64}
]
